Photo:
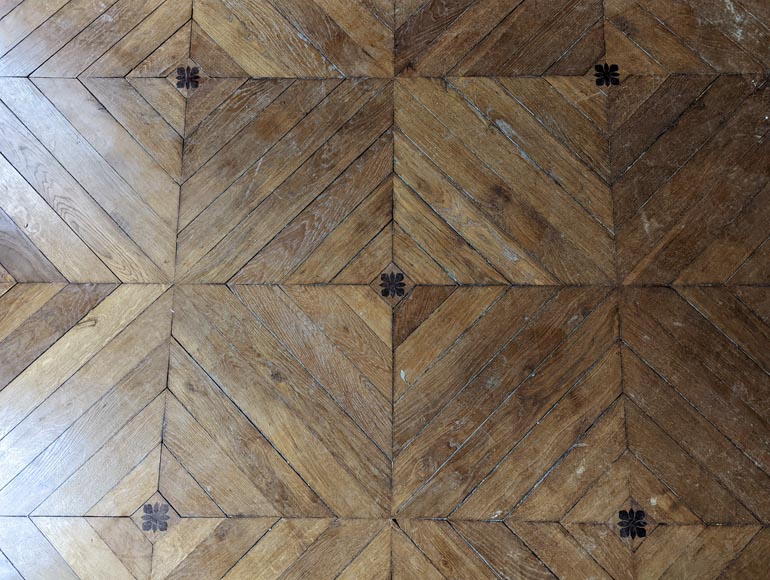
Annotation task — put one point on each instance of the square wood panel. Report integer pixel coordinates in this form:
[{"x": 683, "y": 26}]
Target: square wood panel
[{"x": 289, "y": 181}]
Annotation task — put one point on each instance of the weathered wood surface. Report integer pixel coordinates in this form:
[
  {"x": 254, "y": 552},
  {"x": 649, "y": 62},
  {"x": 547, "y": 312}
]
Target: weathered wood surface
[{"x": 373, "y": 289}]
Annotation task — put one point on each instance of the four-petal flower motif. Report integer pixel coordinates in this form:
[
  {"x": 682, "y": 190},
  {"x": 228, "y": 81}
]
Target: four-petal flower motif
[
  {"x": 632, "y": 523},
  {"x": 392, "y": 284},
  {"x": 155, "y": 517},
  {"x": 187, "y": 78},
  {"x": 607, "y": 74}
]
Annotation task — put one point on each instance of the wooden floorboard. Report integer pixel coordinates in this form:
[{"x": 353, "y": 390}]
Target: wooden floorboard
[{"x": 384, "y": 289}]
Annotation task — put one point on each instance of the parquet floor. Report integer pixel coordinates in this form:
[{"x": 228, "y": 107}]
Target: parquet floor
[{"x": 373, "y": 289}]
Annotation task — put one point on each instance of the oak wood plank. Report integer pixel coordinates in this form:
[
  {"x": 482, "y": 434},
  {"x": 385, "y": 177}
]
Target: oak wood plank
[
  {"x": 212, "y": 58},
  {"x": 459, "y": 38},
  {"x": 316, "y": 223},
  {"x": 558, "y": 550},
  {"x": 50, "y": 35},
  {"x": 110, "y": 464},
  {"x": 422, "y": 27},
  {"x": 439, "y": 331},
  {"x": 646, "y": 32},
  {"x": 407, "y": 253},
  {"x": 21, "y": 302},
  {"x": 18, "y": 21},
  {"x": 231, "y": 488},
  {"x": 409, "y": 561},
  {"x": 531, "y": 39},
  {"x": 96, "y": 38},
  {"x": 278, "y": 549},
  {"x": 516, "y": 416},
  {"x": 182, "y": 491},
  {"x": 132, "y": 490},
  {"x": 458, "y": 256},
  {"x": 370, "y": 308},
  {"x": 101, "y": 181},
  {"x": 103, "y": 130},
  {"x": 335, "y": 120},
  {"x": 151, "y": 131},
  {"x": 547, "y": 441},
  {"x": 89, "y": 336},
  {"x": 416, "y": 308},
  {"x": 70, "y": 211},
  {"x": 94, "y": 379},
  {"x": 334, "y": 549},
  {"x": 250, "y": 144},
  {"x": 82, "y": 548},
  {"x": 279, "y": 397},
  {"x": 54, "y": 235},
  {"x": 31, "y": 553},
  {"x": 163, "y": 59},
  {"x": 226, "y": 544},
  {"x": 575, "y": 475},
  {"x": 350, "y": 388},
  {"x": 20, "y": 258},
  {"x": 127, "y": 542},
  {"x": 243, "y": 443},
  {"x": 342, "y": 245},
  {"x": 697, "y": 436},
  {"x": 138, "y": 44},
  {"x": 675, "y": 146},
  {"x": 373, "y": 561},
  {"x": 164, "y": 98},
  {"x": 680, "y": 472},
  {"x": 531, "y": 344},
  {"x": 204, "y": 139},
  {"x": 346, "y": 33},
  {"x": 753, "y": 560},
  {"x": 46, "y": 326},
  {"x": 704, "y": 38},
  {"x": 690, "y": 374},
  {"x": 261, "y": 41},
  {"x": 371, "y": 261},
  {"x": 503, "y": 550},
  {"x": 430, "y": 391},
  {"x": 128, "y": 406},
  {"x": 348, "y": 331},
  {"x": 521, "y": 127},
  {"x": 711, "y": 551},
  {"x": 446, "y": 549},
  {"x": 450, "y": 114}
]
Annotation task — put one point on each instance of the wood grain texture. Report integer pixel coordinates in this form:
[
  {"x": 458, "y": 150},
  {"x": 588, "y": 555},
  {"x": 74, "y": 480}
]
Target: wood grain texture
[
  {"x": 384, "y": 289},
  {"x": 92, "y": 205},
  {"x": 690, "y": 188},
  {"x": 497, "y": 37},
  {"x": 321, "y": 149},
  {"x": 493, "y": 179},
  {"x": 688, "y": 37}
]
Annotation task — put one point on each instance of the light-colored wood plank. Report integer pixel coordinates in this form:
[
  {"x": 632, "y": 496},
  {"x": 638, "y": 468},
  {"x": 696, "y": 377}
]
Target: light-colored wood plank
[
  {"x": 82, "y": 548},
  {"x": 62, "y": 360}
]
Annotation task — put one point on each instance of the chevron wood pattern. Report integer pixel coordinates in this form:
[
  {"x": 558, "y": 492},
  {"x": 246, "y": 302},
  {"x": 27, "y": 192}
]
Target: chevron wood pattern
[
  {"x": 384, "y": 289},
  {"x": 287, "y": 159},
  {"x": 542, "y": 214},
  {"x": 497, "y": 37},
  {"x": 681, "y": 216},
  {"x": 688, "y": 37}
]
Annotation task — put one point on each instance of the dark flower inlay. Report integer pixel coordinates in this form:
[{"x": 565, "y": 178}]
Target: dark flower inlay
[
  {"x": 607, "y": 74},
  {"x": 392, "y": 284},
  {"x": 632, "y": 523},
  {"x": 187, "y": 78},
  {"x": 155, "y": 517}
]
